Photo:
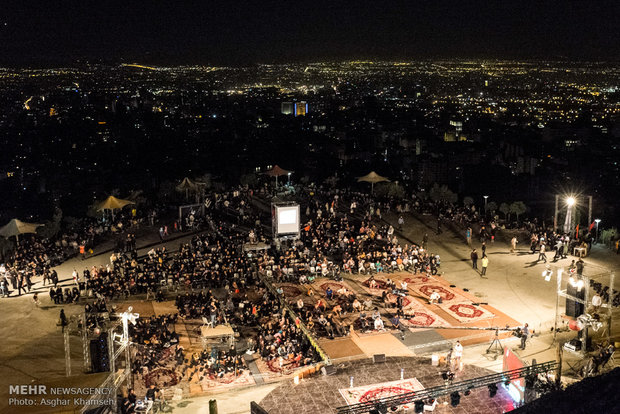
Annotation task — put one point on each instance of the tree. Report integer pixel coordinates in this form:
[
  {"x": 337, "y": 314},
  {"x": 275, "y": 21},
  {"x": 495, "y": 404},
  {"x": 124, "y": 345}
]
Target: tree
[
  {"x": 442, "y": 194},
  {"x": 468, "y": 201},
  {"x": 249, "y": 179},
  {"x": 52, "y": 227},
  {"x": 518, "y": 208},
  {"x": 492, "y": 207},
  {"x": 505, "y": 209},
  {"x": 422, "y": 195},
  {"x": 389, "y": 190},
  {"x": 206, "y": 179}
]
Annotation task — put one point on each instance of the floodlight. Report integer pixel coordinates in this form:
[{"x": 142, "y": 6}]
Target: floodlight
[{"x": 570, "y": 201}]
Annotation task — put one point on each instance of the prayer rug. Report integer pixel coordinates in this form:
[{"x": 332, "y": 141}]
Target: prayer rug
[
  {"x": 373, "y": 392},
  {"x": 447, "y": 295},
  {"x": 323, "y": 285},
  {"x": 466, "y": 312},
  {"x": 423, "y": 317},
  {"x": 210, "y": 382},
  {"x": 290, "y": 290}
]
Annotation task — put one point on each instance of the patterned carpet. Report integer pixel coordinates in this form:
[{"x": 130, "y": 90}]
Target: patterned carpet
[
  {"x": 372, "y": 392},
  {"x": 466, "y": 312}
]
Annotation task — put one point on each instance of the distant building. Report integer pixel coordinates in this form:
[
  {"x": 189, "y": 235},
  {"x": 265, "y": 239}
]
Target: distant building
[
  {"x": 288, "y": 108},
  {"x": 301, "y": 108},
  {"x": 458, "y": 126}
]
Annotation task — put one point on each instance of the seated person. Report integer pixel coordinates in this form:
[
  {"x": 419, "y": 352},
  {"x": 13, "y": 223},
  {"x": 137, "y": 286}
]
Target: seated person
[
  {"x": 364, "y": 322},
  {"x": 357, "y": 306},
  {"x": 329, "y": 293},
  {"x": 379, "y": 324},
  {"x": 398, "y": 325},
  {"x": 372, "y": 283},
  {"x": 435, "y": 297}
]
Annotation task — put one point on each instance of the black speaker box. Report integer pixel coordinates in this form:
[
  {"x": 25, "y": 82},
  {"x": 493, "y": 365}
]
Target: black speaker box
[
  {"x": 573, "y": 308},
  {"x": 328, "y": 370},
  {"x": 378, "y": 358}
]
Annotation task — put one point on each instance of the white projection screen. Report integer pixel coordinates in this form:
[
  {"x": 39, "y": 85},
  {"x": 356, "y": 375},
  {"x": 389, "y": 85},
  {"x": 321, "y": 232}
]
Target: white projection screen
[{"x": 287, "y": 219}]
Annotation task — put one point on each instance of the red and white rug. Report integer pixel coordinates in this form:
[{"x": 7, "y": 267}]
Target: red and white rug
[
  {"x": 357, "y": 395},
  {"x": 424, "y": 290},
  {"x": 466, "y": 312}
]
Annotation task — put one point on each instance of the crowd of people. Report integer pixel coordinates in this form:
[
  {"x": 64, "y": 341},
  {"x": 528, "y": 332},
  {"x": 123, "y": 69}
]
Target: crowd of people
[{"x": 220, "y": 283}]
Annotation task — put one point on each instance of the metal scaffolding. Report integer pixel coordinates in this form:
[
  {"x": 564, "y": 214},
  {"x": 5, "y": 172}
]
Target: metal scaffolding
[
  {"x": 118, "y": 345},
  {"x": 449, "y": 388}
]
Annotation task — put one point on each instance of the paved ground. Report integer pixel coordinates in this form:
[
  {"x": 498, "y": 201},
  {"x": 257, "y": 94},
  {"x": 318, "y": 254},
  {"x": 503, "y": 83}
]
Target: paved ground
[
  {"x": 321, "y": 394},
  {"x": 33, "y": 346}
]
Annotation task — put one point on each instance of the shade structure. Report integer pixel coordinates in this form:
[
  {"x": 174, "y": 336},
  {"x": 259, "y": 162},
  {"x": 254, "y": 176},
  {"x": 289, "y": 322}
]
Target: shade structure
[
  {"x": 187, "y": 185},
  {"x": 16, "y": 227},
  {"x": 372, "y": 178},
  {"x": 277, "y": 171},
  {"x": 113, "y": 203}
]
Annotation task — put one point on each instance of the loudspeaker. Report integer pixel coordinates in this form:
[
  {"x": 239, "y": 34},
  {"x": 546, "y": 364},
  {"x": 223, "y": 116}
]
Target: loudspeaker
[
  {"x": 574, "y": 309},
  {"x": 328, "y": 370},
  {"x": 100, "y": 361},
  {"x": 376, "y": 358},
  {"x": 257, "y": 409}
]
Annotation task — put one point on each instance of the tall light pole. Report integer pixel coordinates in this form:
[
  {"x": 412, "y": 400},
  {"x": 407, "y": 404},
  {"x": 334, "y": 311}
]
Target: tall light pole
[
  {"x": 568, "y": 222},
  {"x": 596, "y": 238},
  {"x": 485, "y": 204}
]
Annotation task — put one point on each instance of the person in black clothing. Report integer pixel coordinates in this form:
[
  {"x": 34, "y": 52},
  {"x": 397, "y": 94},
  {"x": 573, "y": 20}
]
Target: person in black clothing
[
  {"x": 152, "y": 393},
  {"x": 20, "y": 285},
  {"x": 129, "y": 402},
  {"x": 580, "y": 264},
  {"x": 474, "y": 259},
  {"x": 63, "y": 320}
]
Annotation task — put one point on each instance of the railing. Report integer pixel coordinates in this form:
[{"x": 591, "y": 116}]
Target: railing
[
  {"x": 433, "y": 393},
  {"x": 294, "y": 316}
]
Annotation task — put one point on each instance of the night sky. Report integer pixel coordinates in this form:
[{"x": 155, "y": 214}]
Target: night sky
[{"x": 238, "y": 32}]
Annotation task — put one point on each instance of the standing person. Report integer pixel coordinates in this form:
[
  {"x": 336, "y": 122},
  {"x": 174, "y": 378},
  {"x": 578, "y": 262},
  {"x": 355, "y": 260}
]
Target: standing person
[
  {"x": 474, "y": 259},
  {"x": 63, "y": 320},
  {"x": 439, "y": 225},
  {"x": 541, "y": 254},
  {"x": 558, "y": 251},
  {"x": 525, "y": 332},
  {"x": 579, "y": 265},
  {"x": 161, "y": 234},
  {"x": 457, "y": 355},
  {"x": 425, "y": 241},
  {"x": 485, "y": 263},
  {"x": 484, "y": 249},
  {"x": 212, "y": 313},
  {"x": 513, "y": 244},
  {"x": 468, "y": 235},
  {"x": 401, "y": 222},
  {"x": 20, "y": 285}
]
